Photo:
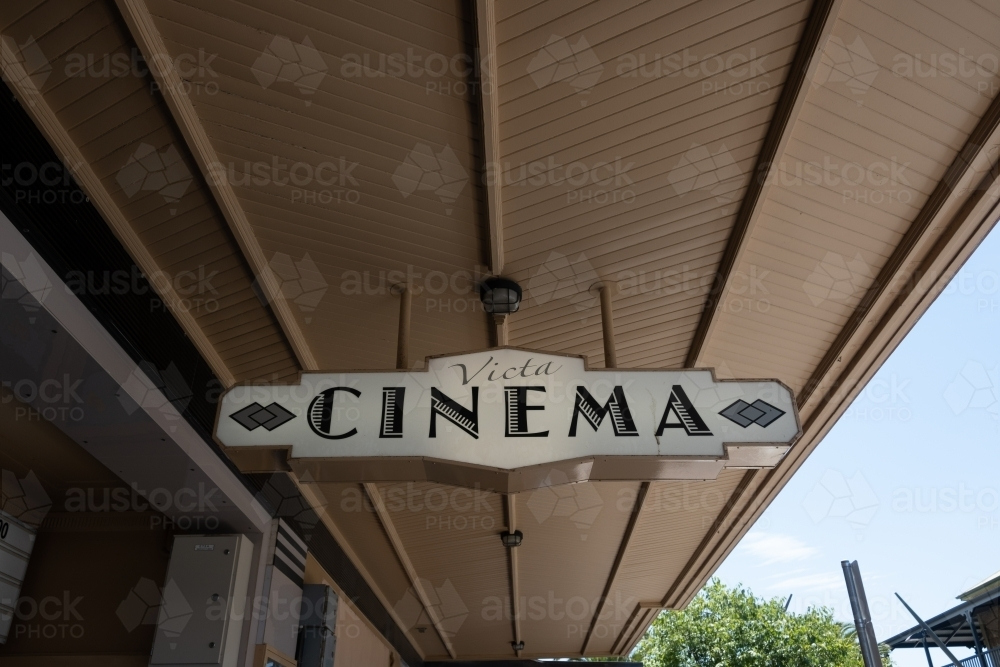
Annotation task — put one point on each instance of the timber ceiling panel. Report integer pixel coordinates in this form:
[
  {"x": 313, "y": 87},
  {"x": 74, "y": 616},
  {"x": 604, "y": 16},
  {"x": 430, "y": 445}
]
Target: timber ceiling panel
[
  {"x": 356, "y": 135},
  {"x": 674, "y": 520},
  {"x": 347, "y": 507},
  {"x": 571, "y": 537},
  {"x": 661, "y": 92},
  {"x": 103, "y": 102},
  {"x": 572, "y": 534},
  {"x": 624, "y": 136},
  {"x": 862, "y": 161},
  {"x": 451, "y": 535}
]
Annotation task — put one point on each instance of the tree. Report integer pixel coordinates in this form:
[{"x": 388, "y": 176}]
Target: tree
[{"x": 729, "y": 627}]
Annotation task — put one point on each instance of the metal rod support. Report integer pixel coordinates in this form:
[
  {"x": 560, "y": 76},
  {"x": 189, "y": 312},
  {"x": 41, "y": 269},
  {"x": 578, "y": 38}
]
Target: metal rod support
[
  {"x": 608, "y": 322},
  {"x": 515, "y": 590},
  {"x": 403, "y": 337}
]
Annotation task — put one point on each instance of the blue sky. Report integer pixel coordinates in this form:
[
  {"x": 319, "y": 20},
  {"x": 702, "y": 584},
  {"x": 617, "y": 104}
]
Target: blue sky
[{"x": 907, "y": 482}]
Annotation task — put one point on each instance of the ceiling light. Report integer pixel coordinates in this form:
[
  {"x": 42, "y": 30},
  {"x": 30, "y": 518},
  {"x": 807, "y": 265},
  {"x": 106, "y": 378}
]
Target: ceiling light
[
  {"x": 500, "y": 296},
  {"x": 511, "y": 540},
  {"x": 517, "y": 646}
]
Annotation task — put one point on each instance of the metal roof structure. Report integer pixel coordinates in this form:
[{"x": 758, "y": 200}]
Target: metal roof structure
[{"x": 951, "y": 626}]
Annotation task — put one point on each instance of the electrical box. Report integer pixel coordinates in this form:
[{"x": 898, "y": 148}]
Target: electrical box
[
  {"x": 202, "y": 607},
  {"x": 16, "y": 542},
  {"x": 317, "y": 632}
]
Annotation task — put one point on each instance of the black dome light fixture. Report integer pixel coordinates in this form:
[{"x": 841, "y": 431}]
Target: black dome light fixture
[
  {"x": 500, "y": 296},
  {"x": 511, "y": 540}
]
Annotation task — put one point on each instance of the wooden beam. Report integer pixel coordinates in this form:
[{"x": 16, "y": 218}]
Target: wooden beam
[
  {"x": 34, "y": 103},
  {"x": 624, "y": 635},
  {"x": 822, "y": 16},
  {"x": 515, "y": 589},
  {"x": 633, "y": 629},
  {"x": 649, "y": 611},
  {"x": 489, "y": 102},
  {"x": 411, "y": 572},
  {"x": 147, "y": 37},
  {"x": 640, "y": 501}
]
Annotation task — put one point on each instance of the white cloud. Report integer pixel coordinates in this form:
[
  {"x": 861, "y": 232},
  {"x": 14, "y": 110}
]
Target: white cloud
[
  {"x": 819, "y": 581},
  {"x": 773, "y": 548}
]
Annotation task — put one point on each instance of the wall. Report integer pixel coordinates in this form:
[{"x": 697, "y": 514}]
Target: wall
[
  {"x": 989, "y": 620},
  {"x": 78, "y": 606}
]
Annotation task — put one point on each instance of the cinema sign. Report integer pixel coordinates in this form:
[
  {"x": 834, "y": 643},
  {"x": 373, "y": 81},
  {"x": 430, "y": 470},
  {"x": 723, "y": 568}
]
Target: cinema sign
[{"x": 508, "y": 419}]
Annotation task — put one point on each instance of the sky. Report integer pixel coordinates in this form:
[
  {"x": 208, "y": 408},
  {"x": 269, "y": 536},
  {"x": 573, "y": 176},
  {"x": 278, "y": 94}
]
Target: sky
[{"x": 907, "y": 482}]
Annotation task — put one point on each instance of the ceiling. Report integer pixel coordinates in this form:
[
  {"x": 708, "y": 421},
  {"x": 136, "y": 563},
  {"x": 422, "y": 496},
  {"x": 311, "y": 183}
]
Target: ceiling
[{"x": 775, "y": 189}]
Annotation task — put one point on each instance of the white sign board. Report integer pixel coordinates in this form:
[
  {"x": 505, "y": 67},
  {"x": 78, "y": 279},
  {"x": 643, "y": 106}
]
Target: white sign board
[
  {"x": 16, "y": 543},
  {"x": 509, "y": 408}
]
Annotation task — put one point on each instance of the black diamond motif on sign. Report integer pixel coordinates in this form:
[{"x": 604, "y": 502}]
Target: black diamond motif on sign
[
  {"x": 751, "y": 413},
  {"x": 759, "y": 412},
  {"x": 255, "y": 415}
]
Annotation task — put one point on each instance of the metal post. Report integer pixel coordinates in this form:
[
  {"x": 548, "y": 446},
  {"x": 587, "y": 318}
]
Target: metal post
[
  {"x": 403, "y": 337},
  {"x": 500, "y": 327},
  {"x": 608, "y": 320},
  {"x": 975, "y": 638},
  {"x": 862, "y": 617},
  {"x": 927, "y": 651}
]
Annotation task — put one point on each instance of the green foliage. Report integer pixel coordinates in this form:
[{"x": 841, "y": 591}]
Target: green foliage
[{"x": 729, "y": 627}]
